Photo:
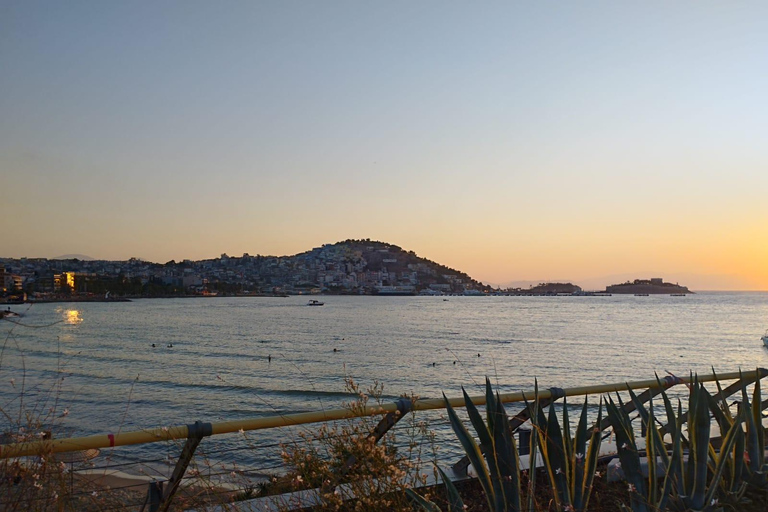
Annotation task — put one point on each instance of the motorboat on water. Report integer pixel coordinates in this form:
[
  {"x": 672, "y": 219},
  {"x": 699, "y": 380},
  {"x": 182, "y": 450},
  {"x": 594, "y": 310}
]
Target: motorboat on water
[
  {"x": 314, "y": 302},
  {"x": 765, "y": 338}
]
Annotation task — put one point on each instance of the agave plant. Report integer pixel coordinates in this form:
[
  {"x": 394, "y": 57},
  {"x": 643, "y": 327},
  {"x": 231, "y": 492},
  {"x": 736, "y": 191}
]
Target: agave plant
[
  {"x": 455, "y": 504},
  {"x": 570, "y": 462},
  {"x": 690, "y": 486},
  {"x": 755, "y": 469},
  {"x": 499, "y": 471},
  {"x": 748, "y": 465}
]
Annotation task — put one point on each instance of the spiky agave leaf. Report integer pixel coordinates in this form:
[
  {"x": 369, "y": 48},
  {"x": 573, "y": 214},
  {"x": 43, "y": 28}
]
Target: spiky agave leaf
[
  {"x": 718, "y": 405},
  {"x": 699, "y": 435},
  {"x": 757, "y": 418},
  {"x": 682, "y": 475},
  {"x": 672, "y": 419},
  {"x": 657, "y": 450},
  {"x": 639, "y": 407},
  {"x": 506, "y": 457},
  {"x": 556, "y": 460},
  {"x": 725, "y": 454},
  {"x": 652, "y": 449},
  {"x": 592, "y": 455},
  {"x": 722, "y": 419},
  {"x": 721, "y": 398},
  {"x": 473, "y": 453},
  {"x": 654, "y": 443},
  {"x": 538, "y": 445},
  {"x": 752, "y": 442},
  {"x": 673, "y": 470},
  {"x": 649, "y": 423},
  {"x": 489, "y": 404},
  {"x": 690, "y": 481},
  {"x": 487, "y": 444},
  {"x": 579, "y": 457},
  {"x": 567, "y": 440},
  {"x": 533, "y": 413},
  {"x": 455, "y": 504},
  {"x": 737, "y": 468},
  {"x": 628, "y": 455},
  {"x": 493, "y": 451},
  {"x": 424, "y": 503},
  {"x": 477, "y": 420}
]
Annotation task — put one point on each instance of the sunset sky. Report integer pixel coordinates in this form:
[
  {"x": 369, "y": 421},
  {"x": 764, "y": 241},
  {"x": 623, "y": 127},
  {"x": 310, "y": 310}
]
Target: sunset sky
[{"x": 510, "y": 140}]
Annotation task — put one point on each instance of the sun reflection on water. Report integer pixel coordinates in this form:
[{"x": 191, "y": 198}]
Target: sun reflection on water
[{"x": 73, "y": 317}]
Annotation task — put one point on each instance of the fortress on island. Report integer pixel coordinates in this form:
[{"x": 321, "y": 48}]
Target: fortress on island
[{"x": 647, "y": 286}]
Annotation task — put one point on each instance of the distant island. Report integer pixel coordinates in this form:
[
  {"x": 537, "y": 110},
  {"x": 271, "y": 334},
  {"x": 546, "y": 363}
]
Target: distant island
[
  {"x": 547, "y": 289},
  {"x": 647, "y": 286}
]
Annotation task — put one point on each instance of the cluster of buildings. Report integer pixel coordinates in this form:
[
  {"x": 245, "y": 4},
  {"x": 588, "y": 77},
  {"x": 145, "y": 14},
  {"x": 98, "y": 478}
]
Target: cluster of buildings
[{"x": 350, "y": 267}]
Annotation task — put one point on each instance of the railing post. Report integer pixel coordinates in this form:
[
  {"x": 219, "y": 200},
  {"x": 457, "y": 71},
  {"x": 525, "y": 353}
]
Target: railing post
[
  {"x": 159, "y": 499},
  {"x": 404, "y": 406},
  {"x": 154, "y": 496},
  {"x": 524, "y": 434}
]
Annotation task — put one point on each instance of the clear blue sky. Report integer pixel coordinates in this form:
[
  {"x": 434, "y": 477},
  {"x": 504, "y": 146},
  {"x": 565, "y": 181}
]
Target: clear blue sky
[{"x": 511, "y": 140}]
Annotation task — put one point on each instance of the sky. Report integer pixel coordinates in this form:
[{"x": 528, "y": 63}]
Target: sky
[{"x": 510, "y": 140}]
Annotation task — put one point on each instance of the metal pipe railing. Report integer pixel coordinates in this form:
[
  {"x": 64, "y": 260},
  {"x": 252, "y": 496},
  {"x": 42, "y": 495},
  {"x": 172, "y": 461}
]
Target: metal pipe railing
[{"x": 183, "y": 431}]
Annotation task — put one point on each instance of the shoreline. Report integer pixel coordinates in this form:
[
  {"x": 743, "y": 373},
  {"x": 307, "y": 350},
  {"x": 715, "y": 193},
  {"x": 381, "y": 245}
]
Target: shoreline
[{"x": 131, "y": 299}]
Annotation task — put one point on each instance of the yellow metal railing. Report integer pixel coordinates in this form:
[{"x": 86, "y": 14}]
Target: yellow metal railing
[{"x": 183, "y": 432}]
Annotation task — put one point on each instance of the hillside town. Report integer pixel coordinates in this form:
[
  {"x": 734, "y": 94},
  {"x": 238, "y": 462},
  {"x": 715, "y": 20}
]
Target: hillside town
[{"x": 361, "y": 267}]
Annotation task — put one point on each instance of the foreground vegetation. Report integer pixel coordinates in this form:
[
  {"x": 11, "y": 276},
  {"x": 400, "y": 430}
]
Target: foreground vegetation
[{"x": 347, "y": 467}]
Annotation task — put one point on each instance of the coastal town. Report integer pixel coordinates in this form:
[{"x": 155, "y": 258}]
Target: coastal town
[
  {"x": 359, "y": 267},
  {"x": 351, "y": 267}
]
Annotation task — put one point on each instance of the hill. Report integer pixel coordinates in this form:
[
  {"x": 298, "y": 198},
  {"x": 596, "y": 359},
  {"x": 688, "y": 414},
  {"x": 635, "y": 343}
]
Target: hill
[
  {"x": 359, "y": 267},
  {"x": 395, "y": 270}
]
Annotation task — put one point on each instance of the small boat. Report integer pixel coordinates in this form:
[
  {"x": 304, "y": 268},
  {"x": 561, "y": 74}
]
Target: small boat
[
  {"x": 9, "y": 314},
  {"x": 314, "y": 302},
  {"x": 765, "y": 338}
]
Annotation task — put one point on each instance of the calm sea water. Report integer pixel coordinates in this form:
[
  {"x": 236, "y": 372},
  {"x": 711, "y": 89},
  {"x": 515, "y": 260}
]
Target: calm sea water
[{"x": 99, "y": 363}]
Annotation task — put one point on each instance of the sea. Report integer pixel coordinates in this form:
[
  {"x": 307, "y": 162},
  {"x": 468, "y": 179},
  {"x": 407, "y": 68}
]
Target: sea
[{"x": 93, "y": 368}]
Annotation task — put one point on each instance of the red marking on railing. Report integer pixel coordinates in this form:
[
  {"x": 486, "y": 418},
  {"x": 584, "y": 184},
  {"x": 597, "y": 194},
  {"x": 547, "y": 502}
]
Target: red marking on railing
[{"x": 111, "y": 439}]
